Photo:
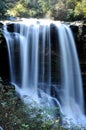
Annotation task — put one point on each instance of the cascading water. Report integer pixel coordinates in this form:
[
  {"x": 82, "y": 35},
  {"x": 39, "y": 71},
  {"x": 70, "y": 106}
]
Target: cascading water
[{"x": 31, "y": 49}]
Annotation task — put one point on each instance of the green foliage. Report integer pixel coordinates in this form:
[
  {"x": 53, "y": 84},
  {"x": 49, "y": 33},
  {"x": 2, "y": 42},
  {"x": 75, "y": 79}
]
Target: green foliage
[
  {"x": 80, "y": 10},
  {"x": 59, "y": 12},
  {"x": 19, "y": 10},
  {"x": 67, "y": 10},
  {"x": 2, "y": 8},
  {"x": 70, "y": 14},
  {"x": 71, "y": 4},
  {"x": 14, "y": 115}
]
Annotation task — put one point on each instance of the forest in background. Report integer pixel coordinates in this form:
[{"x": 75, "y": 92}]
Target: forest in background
[{"x": 65, "y": 10}]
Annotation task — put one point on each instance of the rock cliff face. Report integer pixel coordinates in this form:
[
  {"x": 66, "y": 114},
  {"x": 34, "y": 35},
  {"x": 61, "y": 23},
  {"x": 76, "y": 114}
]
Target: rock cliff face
[
  {"x": 4, "y": 61},
  {"x": 79, "y": 32}
]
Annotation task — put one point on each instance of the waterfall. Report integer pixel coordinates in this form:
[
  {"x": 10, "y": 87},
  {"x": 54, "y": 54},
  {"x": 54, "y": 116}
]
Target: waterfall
[{"x": 44, "y": 66}]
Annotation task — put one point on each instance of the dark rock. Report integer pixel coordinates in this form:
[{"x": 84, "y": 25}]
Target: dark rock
[
  {"x": 4, "y": 60},
  {"x": 1, "y": 24},
  {"x": 74, "y": 28},
  {"x": 10, "y": 27},
  {"x": 84, "y": 29}
]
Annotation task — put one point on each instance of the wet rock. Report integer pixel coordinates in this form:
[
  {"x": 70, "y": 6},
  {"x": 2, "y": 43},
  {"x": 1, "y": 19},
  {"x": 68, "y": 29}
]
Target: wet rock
[{"x": 10, "y": 27}]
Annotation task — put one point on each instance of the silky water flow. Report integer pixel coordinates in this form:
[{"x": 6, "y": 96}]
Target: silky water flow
[{"x": 35, "y": 76}]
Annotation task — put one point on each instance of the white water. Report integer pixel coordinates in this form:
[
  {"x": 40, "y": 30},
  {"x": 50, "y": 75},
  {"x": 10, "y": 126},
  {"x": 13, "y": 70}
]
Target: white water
[{"x": 31, "y": 67}]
